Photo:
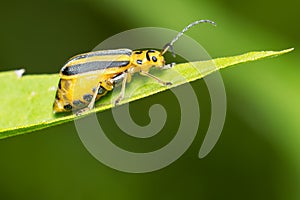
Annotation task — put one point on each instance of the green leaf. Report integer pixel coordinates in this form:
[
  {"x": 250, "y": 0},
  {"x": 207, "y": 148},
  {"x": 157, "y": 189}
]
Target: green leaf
[{"x": 26, "y": 101}]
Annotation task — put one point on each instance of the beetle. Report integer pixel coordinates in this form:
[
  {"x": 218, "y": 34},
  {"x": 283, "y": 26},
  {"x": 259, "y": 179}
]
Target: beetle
[{"x": 86, "y": 77}]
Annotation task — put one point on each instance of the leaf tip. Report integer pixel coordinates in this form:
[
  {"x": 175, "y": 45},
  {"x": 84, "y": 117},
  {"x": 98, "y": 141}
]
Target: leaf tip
[{"x": 288, "y": 50}]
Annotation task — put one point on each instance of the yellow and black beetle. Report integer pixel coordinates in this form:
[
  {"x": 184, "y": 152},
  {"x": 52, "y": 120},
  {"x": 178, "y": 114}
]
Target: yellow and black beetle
[{"x": 87, "y": 77}]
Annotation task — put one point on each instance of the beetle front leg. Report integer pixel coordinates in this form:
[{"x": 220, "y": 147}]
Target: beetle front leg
[{"x": 144, "y": 73}]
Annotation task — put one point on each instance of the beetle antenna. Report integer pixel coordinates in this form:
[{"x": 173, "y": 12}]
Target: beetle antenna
[{"x": 170, "y": 44}]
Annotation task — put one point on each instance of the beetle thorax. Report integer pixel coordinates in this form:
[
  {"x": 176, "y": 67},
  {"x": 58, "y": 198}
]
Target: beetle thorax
[{"x": 144, "y": 60}]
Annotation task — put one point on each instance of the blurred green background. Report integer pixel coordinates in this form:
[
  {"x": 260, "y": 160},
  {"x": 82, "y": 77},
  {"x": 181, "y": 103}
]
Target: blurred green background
[{"x": 258, "y": 154}]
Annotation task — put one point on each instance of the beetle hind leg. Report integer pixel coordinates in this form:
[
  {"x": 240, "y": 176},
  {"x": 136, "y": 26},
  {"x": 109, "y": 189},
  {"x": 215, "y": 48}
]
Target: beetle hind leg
[
  {"x": 122, "y": 93},
  {"x": 91, "y": 104}
]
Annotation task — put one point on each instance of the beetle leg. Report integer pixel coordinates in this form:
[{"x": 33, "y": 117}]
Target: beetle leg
[
  {"x": 155, "y": 78},
  {"x": 91, "y": 104},
  {"x": 122, "y": 93}
]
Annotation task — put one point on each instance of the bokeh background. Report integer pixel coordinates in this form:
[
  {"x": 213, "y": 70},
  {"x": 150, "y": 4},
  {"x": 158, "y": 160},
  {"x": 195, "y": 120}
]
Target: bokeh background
[{"x": 258, "y": 154}]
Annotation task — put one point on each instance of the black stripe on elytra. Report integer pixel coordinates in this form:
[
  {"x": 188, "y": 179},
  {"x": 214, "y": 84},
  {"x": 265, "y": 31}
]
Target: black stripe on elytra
[
  {"x": 127, "y": 52},
  {"x": 138, "y": 52},
  {"x": 92, "y": 66}
]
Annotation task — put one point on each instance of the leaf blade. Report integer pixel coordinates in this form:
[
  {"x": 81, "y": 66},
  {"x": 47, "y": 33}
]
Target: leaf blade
[{"x": 27, "y": 104}]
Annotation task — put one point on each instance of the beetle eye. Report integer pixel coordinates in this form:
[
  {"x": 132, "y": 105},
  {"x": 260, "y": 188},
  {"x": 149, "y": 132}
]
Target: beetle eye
[{"x": 154, "y": 58}]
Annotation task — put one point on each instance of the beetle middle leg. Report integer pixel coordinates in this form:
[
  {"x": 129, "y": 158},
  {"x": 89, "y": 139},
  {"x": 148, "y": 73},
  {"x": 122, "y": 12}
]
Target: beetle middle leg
[{"x": 144, "y": 73}]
